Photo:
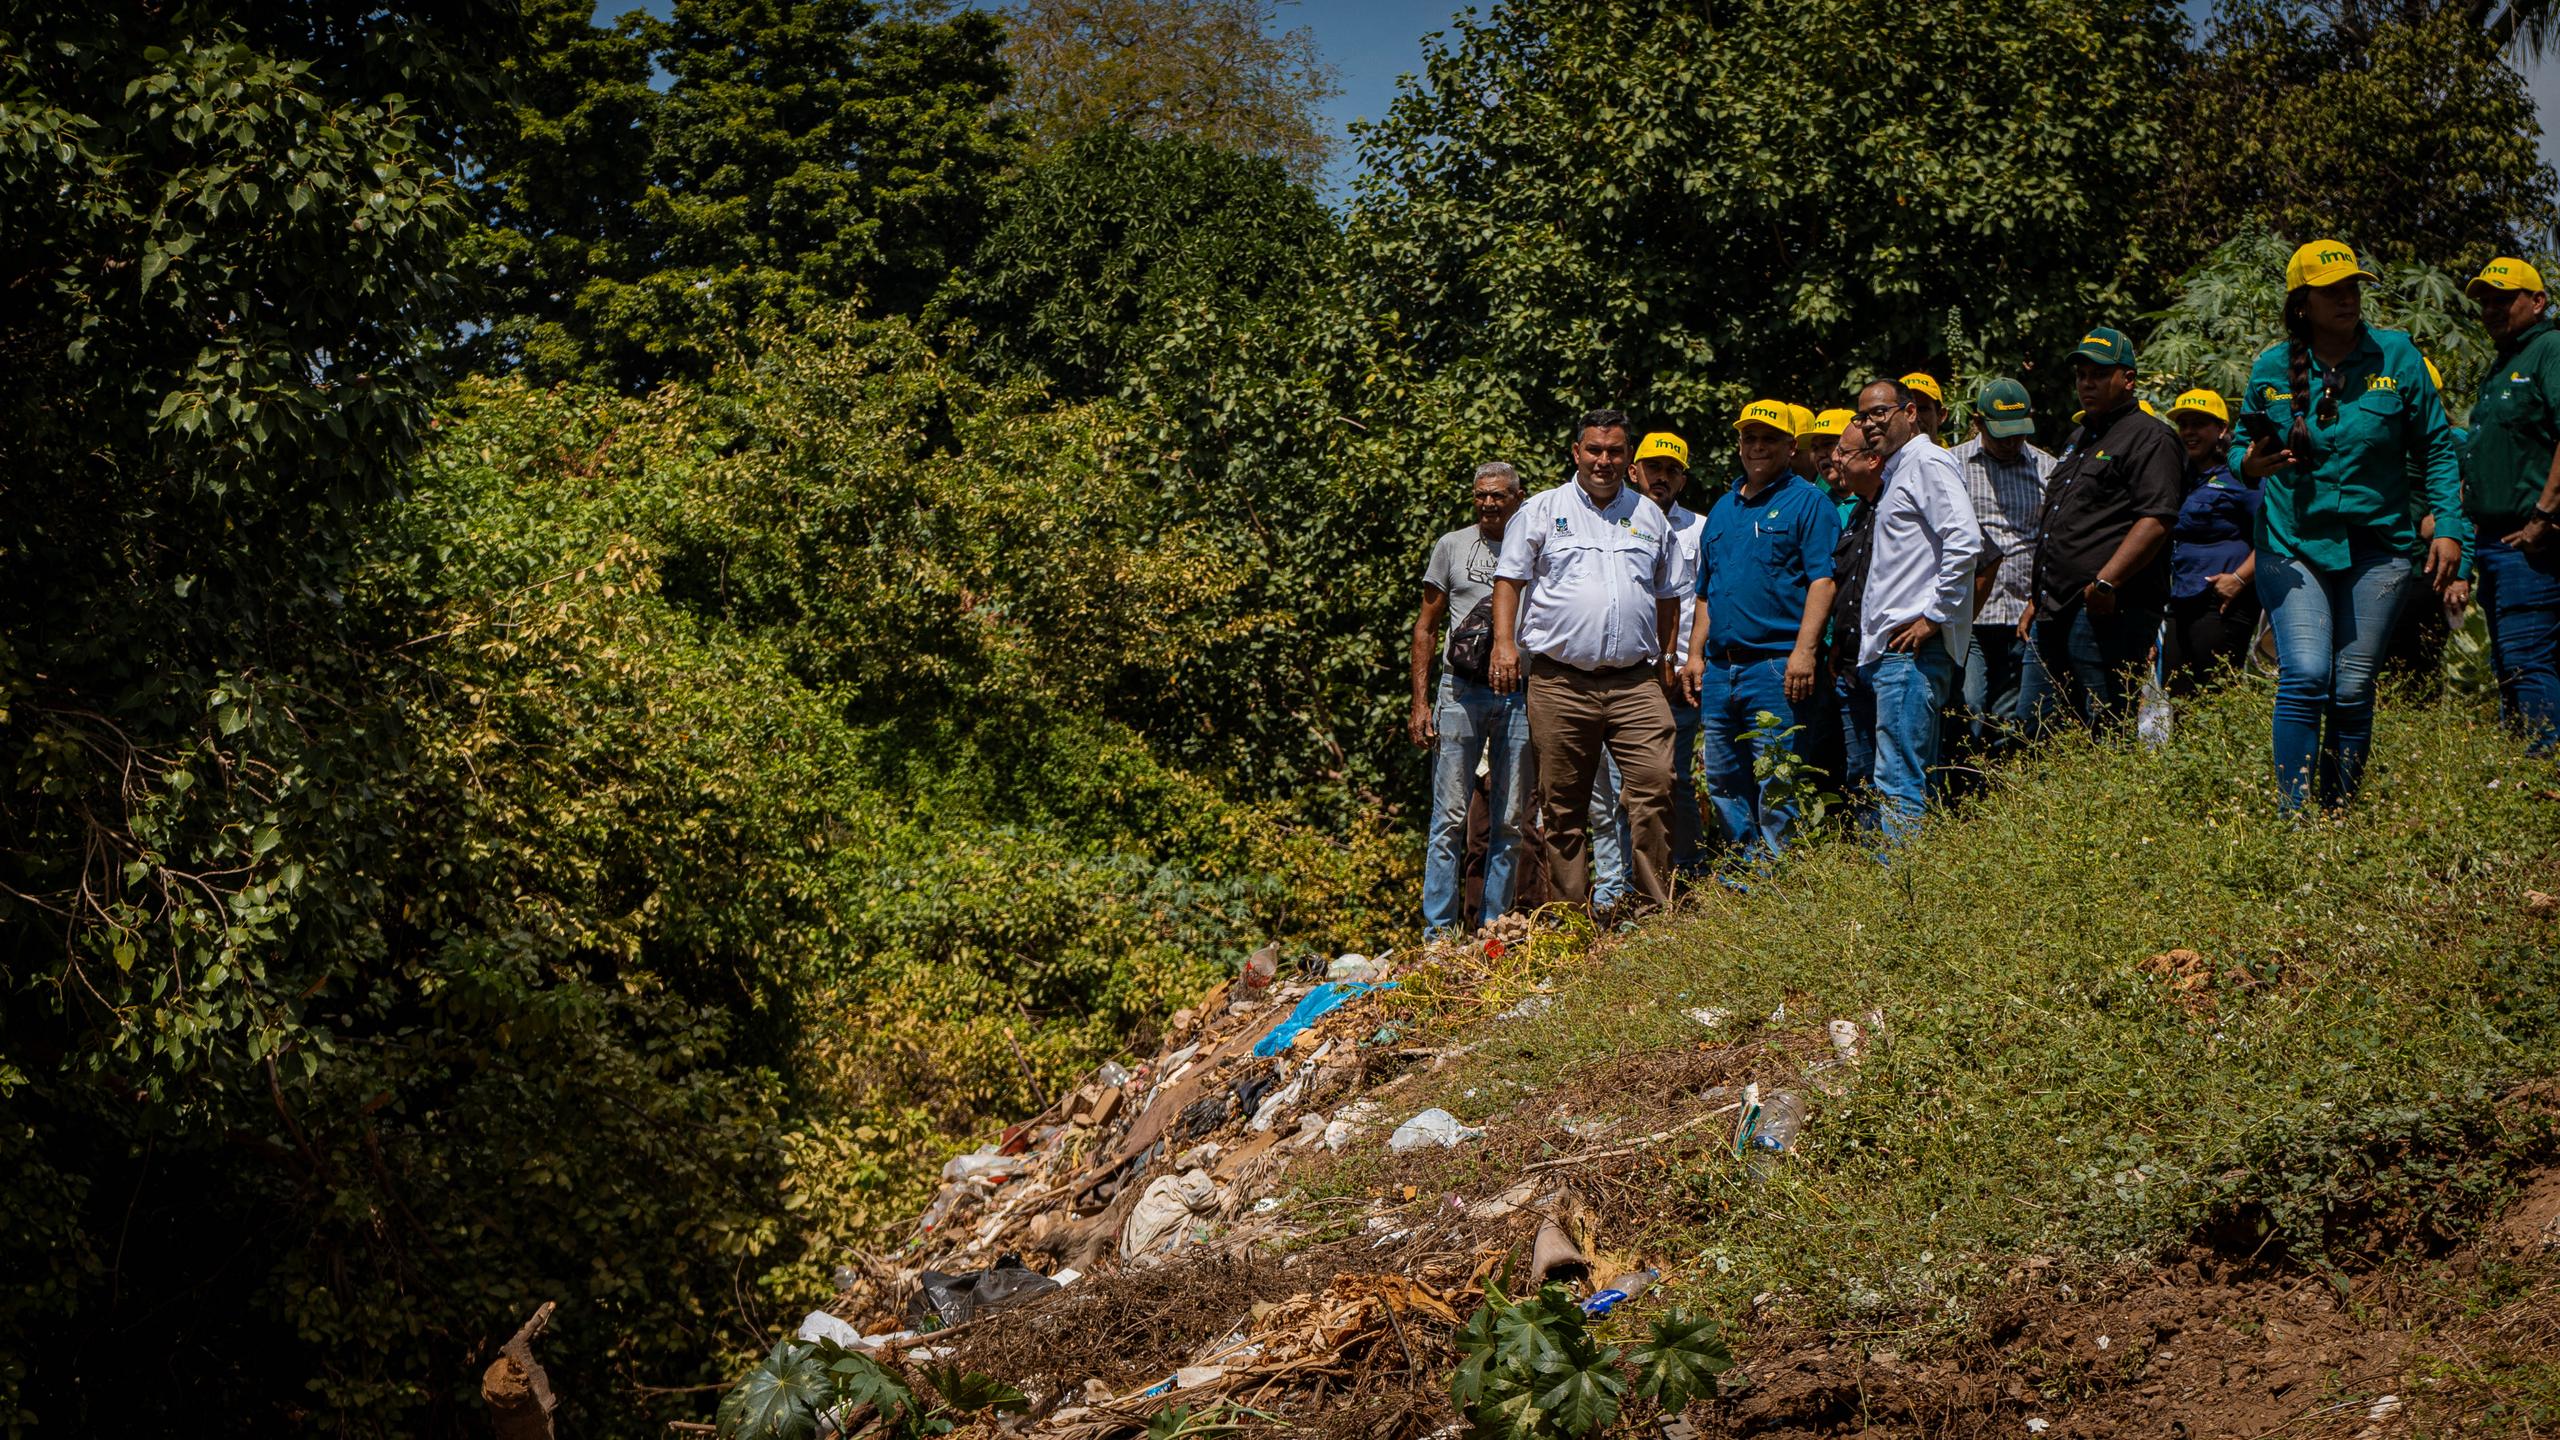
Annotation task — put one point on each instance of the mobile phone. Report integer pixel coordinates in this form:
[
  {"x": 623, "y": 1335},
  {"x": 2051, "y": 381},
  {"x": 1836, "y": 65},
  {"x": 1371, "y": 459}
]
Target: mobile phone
[{"x": 2257, "y": 426}]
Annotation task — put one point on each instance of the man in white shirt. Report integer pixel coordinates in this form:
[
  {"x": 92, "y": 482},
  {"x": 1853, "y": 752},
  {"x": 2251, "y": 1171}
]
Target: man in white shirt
[
  {"x": 1586, "y": 601},
  {"x": 1911, "y": 617},
  {"x": 1661, "y": 474}
]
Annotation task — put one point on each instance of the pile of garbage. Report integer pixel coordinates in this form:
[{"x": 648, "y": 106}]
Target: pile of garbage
[{"x": 1184, "y": 1160}]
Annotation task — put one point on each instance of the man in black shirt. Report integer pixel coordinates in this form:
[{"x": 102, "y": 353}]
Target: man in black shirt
[{"x": 2102, "y": 548}]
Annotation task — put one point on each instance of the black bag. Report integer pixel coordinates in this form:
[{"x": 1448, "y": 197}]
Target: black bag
[{"x": 1471, "y": 644}]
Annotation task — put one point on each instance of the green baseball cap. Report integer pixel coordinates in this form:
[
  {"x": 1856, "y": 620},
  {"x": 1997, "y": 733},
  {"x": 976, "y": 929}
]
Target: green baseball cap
[
  {"x": 2103, "y": 346},
  {"x": 2004, "y": 411}
]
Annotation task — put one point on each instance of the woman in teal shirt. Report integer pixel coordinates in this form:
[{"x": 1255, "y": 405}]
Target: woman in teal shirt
[{"x": 2338, "y": 419}]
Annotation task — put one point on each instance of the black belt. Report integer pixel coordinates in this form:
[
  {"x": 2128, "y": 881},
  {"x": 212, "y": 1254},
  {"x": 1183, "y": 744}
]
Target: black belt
[
  {"x": 1548, "y": 665},
  {"x": 1746, "y": 655}
]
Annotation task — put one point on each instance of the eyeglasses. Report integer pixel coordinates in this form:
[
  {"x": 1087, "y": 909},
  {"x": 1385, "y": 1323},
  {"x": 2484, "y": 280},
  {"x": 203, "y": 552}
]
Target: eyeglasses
[{"x": 1874, "y": 413}]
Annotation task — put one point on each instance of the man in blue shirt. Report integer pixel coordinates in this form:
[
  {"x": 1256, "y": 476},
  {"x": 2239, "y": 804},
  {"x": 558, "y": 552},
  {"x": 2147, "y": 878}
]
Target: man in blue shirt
[{"x": 1764, "y": 573}]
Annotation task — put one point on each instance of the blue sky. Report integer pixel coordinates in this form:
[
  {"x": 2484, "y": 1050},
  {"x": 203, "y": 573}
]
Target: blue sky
[{"x": 1371, "y": 42}]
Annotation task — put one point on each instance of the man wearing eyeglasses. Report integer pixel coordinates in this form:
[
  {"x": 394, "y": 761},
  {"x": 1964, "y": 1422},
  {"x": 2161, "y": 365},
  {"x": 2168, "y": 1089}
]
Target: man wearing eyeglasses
[
  {"x": 2101, "y": 576},
  {"x": 1911, "y": 620}
]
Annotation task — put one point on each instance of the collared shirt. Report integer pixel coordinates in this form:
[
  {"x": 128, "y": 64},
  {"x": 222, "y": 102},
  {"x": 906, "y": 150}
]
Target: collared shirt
[
  {"x": 2212, "y": 534},
  {"x": 1593, "y": 574},
  {"x": 1926, "y": 540},
  {"x": 1759, "y": 558},
  {"x": 2119, "y": 468},
  {"x": 2515, "y": 425},
  {"x": 2359, "y": 483},
  {"x": 1688, "y": 532},
  {"x": 2008, "y": 497}
]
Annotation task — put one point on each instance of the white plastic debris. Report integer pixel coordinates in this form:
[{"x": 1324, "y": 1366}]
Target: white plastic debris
[
  {"x": 984, "y": 1164},
  {"x": 1844, "y": 1038},
  {"x": 1709, "y": 1016},
  {"x": 1534, "y": 1005},
  {"x": 2038, "y": 1425},
  {"x": 819, "y": 1325},
  {"x": 1276, "y": 1103},
  {"x": 1502, "y": 1204},
  {"x": 1353, "y": 967},
  {"x": 1348, "y": 1123},
  {"x": 1432, "y": 1127},
  {"x": 2383, "y": 1408},
  {"x": 1113, "y": 1074}
]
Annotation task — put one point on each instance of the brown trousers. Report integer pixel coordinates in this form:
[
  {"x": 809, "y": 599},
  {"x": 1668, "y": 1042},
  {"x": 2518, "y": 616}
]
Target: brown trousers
[{"x": 1574, "y": 715}]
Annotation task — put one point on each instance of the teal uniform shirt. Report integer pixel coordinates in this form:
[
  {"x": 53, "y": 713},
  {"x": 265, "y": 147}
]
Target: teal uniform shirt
[
  {"x": 2350, "y": 490},
  {"x": 2515, "y": 425}
]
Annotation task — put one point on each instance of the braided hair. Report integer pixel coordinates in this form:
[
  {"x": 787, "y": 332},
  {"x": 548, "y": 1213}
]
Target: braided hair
[{"x": 2297, "y": 329}]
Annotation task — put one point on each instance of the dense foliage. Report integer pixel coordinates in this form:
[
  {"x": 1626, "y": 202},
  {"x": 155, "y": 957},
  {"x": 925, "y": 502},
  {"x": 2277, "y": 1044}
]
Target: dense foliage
[{"x": 898, "y": 608}]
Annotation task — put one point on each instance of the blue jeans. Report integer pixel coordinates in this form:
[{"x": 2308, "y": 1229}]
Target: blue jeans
[
  {"x": 1856, "y": 720},
  {"x": 1471, "y": 716},
  {"x": 1995, "y": 680},
  {"x": 1897, "y": 700},
  {"x": 1730, "y": 699},
  {"x": 2520, "y": 593},
  {"x": 2331, "y": 628},
  {"x": 2089, "y": 667},
  {"x": 1610, "y": 838}
]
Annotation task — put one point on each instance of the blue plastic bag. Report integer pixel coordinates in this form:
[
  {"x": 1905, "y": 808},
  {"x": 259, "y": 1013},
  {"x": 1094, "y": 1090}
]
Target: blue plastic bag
[{"x": 1320, "y": 1002}]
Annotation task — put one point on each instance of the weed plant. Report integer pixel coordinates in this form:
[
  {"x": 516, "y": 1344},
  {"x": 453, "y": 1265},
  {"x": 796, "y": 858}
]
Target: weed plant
[{"x": 2336, "y": 1093}]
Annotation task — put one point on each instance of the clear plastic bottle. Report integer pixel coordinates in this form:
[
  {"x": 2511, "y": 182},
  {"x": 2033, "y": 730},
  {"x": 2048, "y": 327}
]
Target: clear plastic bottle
[{"x": 1781, "y": 1120}]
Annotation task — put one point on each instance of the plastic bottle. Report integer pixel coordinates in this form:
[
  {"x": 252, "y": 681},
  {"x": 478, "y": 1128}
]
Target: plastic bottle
[
  {"x": 1781, "y": 1119},
  {"x": 1627, "y": 1287}
]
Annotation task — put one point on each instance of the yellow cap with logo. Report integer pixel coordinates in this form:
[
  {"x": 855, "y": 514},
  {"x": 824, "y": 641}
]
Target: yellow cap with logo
[
  {"x": 2201, "y": 402},
  {"x": 1921, "y": 383},
  {"x": 2323, "y": 262},
  {"x": 1772, "y": 413},
  {"x": 1800, "y": 418},
  {"x": 2504, "y": 273},
  {"x": 1831, "y": 422},
  {"x": 1663, "y": 445}
]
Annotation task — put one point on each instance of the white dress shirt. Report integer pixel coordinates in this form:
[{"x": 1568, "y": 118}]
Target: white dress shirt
[
  {"x": 1688, "y": 532},
  {"x": 1925, "y": 543},
  {"x": 1593, "y": 574}
]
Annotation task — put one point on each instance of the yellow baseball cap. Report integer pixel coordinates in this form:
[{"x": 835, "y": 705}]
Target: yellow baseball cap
[
  {"x": 2433, "y": 373},
  {"x": 1831, "y": 422},
  {"x": 1802, "y": 418},
  {"x": 2504, "y": 273},
  {"x": 1924, "y": 384},
  {"x": 2202, "y": 402},
  {"x": 1772, "y": 413},
  {"x": 2323, "y": 262},
  {"x": 1663, "y": 445},
  {"x": 2154, "y": 412}
]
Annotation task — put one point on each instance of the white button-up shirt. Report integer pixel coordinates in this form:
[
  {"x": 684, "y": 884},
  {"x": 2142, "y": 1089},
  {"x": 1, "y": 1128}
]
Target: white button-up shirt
[
  {"x": 1593, "y": 573},
  {"x": 1925, "y": 545},
  {"x": 1688, "y": 533}
]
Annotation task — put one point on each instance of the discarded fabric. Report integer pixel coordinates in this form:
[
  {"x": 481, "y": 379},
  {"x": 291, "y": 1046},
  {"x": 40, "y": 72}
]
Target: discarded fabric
[
  {"x": 949, "y": 1300},
  {"x": 1166, "y": 1209}
]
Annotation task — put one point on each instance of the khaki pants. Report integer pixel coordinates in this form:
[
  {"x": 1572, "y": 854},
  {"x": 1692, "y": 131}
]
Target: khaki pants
[{"x": 1573, "y": 716}]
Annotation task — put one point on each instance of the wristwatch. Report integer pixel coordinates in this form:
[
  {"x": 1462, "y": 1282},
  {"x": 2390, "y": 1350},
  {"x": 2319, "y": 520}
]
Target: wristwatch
[
  {"x": 2547, "y": 517},
  {"x": 2103, "y": 585}
]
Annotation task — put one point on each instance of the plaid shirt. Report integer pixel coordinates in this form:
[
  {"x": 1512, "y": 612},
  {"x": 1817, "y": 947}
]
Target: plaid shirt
[{"x": 2007, "y": 498}]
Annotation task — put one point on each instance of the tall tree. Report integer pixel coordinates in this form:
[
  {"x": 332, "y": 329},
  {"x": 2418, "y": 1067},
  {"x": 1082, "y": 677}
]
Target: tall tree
[
  {"x": 1672, "y": 209},
  {"x": 1101, "y": 247},
  {"x": 802, "y": 153},
  {"x": 2401, "y": 129},
  {"x": 1215, "y": 70}
]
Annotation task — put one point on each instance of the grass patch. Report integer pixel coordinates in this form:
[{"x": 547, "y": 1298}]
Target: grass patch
[{"x": 2331, "y": 1092}]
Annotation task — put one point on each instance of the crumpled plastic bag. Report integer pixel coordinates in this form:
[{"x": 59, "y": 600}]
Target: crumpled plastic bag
[
  {"x": 957, "y": 1299},
  {"x": 1166, "y": 1210},
  {"x": 1431, "y": 1127}
]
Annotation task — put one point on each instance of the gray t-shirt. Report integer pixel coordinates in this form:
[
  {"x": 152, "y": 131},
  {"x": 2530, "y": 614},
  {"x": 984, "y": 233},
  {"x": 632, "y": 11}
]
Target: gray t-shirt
[{"x": 1461, "y": 567}]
